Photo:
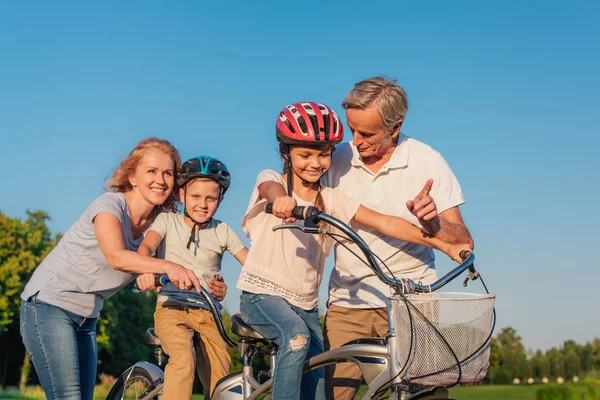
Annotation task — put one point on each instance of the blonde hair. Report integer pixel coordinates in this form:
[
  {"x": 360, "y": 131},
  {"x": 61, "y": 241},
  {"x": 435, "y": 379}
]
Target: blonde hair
[
  {"x": 390, "y": 100},
  {"x": 119, "y": 182}
]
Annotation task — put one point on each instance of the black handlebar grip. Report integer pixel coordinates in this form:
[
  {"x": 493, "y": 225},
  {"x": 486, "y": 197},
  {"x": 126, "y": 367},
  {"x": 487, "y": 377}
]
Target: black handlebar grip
[
  {"x": 269, "y": 208},
  {"x": 464, "y": 254},
  {"x": 161, "y": 280},
  {"x": 297, "y": 212}
]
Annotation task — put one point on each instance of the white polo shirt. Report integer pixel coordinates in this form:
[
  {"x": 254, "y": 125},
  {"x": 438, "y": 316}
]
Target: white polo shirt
[{"x": 353, "y": 284}]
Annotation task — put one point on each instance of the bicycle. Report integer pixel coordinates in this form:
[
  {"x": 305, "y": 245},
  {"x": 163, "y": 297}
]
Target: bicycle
[{"x": 423, "y": 353}]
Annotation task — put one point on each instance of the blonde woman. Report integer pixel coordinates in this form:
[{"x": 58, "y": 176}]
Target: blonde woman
[{"x": 95, "y": 259}]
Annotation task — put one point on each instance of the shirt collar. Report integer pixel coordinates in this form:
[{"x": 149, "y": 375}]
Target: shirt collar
[{"x": 399, "y": 158}]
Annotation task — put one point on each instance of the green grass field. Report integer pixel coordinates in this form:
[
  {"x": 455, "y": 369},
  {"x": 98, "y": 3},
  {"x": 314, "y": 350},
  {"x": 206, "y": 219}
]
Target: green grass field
[
  {"x": 498, "y": 392},
  {"x": 468, "y": 393}
]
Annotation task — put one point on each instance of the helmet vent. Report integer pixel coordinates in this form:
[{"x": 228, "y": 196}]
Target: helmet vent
[
  {"x": 315, "y": 124},
  {"x": 326, "y": 123},
  {"x": 302, "y": 124},
  {"x": 289, "y": 125},
  {"x": 335, "y": 124}
]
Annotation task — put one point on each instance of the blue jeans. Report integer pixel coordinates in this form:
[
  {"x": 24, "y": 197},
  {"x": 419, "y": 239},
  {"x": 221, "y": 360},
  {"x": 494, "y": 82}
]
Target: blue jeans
[
  {"x": 298, "y": 336},
  {"x": 63, "y": 349}
]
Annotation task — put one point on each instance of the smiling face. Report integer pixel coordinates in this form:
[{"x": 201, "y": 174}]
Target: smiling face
[
  {"x": 201, "y": 198},
  {"x": 154, "y": 176},
  {"x": 369, "y": 134},
  {"x": 311, "y": 162}
]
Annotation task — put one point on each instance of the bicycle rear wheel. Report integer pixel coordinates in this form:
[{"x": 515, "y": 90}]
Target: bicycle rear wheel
[{"x": 134, "y": 384}]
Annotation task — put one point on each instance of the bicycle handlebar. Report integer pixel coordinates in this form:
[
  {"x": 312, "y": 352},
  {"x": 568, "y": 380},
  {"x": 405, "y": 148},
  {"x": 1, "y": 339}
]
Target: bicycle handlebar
[
  {"x": 313, "y": 215},
  {"x": 300, "y": 212},
  {"x": 162, "y": 280}
]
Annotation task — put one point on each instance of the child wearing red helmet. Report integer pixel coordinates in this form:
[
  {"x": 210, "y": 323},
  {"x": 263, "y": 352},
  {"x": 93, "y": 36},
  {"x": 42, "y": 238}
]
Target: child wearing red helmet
[{"x": 283, "y": 271}]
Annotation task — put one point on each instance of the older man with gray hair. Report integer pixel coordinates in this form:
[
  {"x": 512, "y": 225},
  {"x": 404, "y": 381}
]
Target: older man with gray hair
[{"x": 393, "y": 174}]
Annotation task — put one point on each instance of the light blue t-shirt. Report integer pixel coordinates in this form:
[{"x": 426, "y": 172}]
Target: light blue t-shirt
[{"x": 76, "y": 276}]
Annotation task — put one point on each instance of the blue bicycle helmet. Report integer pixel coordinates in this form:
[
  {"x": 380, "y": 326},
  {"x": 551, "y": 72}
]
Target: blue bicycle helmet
[{"x": 204, "y": 167}]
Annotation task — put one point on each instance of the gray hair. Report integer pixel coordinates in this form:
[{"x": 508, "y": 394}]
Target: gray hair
[{"x": 385, "y": 94}]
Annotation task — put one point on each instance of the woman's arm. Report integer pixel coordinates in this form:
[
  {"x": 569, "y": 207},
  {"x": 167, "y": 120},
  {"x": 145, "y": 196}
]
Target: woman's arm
[
  {"x": 109, "y": 234},
  {"x": 401, "y": 229}
]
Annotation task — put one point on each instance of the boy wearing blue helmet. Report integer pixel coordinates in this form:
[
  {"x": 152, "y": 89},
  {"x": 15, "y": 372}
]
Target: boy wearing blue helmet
[{"x": 197, "y": 240}]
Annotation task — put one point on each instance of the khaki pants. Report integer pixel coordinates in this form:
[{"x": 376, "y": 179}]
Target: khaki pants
[
  {"x": 175, "y": 325},
  {"x": 341, "y": 326}
]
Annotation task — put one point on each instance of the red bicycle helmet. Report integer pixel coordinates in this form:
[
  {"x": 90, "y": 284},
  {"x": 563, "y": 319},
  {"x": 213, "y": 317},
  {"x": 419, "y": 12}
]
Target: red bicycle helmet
[{"x": 309, "y": 123}]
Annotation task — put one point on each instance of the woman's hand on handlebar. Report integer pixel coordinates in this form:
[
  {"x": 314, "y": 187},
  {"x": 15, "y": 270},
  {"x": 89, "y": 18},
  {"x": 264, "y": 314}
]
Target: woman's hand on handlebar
[
  {"x": 183, "y": 278},
  {"x": 145, "y": 282},
  {"x": 283, "y": 206}
]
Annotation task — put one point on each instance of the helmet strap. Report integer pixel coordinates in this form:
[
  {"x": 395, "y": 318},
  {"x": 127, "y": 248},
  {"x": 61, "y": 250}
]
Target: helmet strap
[
  {"x": 290, "y": 177},
  {"x": 200, "y": 225}
]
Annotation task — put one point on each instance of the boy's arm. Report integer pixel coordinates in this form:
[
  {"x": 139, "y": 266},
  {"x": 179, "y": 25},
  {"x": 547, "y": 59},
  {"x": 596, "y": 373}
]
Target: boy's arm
[
  {"x": 241, "y": 255},
  {"x": 150, "y": 243},
  {"x": 148, "y": 247}
]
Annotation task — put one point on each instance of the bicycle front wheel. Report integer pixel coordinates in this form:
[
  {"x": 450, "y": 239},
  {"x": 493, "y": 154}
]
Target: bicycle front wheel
[{"x": 137, "y": 383}]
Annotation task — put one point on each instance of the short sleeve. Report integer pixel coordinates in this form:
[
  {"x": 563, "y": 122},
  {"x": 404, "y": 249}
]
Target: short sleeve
[
  {"x": 256, "y": 202},
  {"x": 234, "y": 243},
  {"x": 160, "y": 224},
  {"x": 109, "y": 203},
  {"x": 340, "y": 205},
  {"x": 446, "y": 190}
]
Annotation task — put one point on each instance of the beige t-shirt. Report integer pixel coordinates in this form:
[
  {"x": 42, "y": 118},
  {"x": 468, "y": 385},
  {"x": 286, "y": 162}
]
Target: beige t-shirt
[
  {"x": 353, "y": 284},
  {"x": 288, "y": 263},
  {"x": 205, "y": 253}
]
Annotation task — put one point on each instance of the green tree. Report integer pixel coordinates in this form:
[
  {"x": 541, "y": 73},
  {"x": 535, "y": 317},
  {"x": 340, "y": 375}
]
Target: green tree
[
  {"x": 23, "y": 244},
  {"x": 556, "y": 366},
  {"x": 572, "y": 364},
  {"x": 236, "y": 361},
  {"x": 511, "y": 355},
  {"x": 538, "y": 365},
  {"x": 121, "y": 329},
  {"x": 587, "y": 353}
]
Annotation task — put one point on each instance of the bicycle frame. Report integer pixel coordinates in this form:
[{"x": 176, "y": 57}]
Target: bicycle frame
[{"x": 377, "y": 358}]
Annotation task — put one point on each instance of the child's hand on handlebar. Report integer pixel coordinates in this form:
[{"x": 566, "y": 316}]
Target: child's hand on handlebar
[
  {"x": 183, "y": 278},
  {"x": 145, "y": 282},
  {"x": 283, "y": 206},
  {"x": 217, "y": 287}
]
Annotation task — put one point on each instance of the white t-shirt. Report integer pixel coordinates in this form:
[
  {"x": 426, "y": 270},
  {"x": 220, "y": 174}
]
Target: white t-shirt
[
  {"x": 353, "y": 284},
  {"x": 288, "y": 263}
]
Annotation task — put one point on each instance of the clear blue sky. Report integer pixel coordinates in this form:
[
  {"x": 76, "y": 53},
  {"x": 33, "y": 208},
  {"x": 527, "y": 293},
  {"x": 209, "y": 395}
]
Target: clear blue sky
[{"x": 508, "y": 93}]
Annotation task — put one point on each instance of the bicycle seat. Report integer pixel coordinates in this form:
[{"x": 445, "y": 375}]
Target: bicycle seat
[
  {"x": 240, "y": 328},
  {"x": 151, "y": 337}
]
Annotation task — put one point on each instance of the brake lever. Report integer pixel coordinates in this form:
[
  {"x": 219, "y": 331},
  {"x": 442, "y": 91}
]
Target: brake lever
[
  {"x": 471, "y": 276},
  {"x": 306, "y": 229}
]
